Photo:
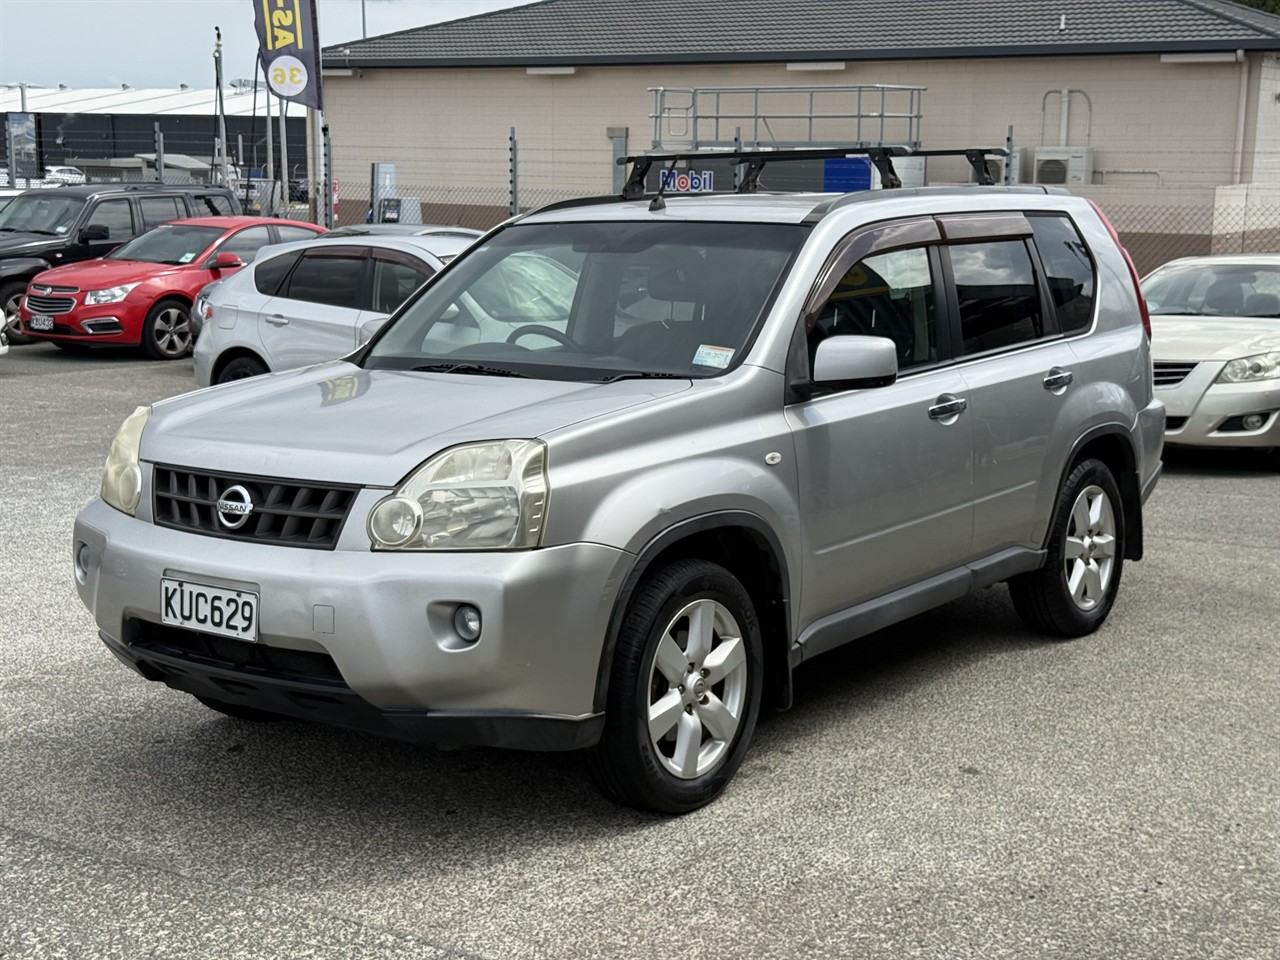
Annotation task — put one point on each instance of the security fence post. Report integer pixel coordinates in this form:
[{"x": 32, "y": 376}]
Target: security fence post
[{"x": 515, "y": 173}]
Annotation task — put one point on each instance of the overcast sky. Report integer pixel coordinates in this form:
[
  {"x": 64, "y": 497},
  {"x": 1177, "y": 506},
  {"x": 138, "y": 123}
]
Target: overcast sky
[{"x": 162, "y": 43}]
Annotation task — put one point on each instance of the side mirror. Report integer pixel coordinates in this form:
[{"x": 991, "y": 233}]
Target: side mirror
[
  {"x": 227, "y": 261},
  {"x": 94, "y": 232},
  {"x": 369, "y": 328},
  {"x": 853, "y": 362}
]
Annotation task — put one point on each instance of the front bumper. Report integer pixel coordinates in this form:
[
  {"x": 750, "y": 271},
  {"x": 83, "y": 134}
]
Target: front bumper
[
  {"x": 111, "y": 324},
  {"x": 365, "y": 640},
  {"x": 1204, "y": 413}
]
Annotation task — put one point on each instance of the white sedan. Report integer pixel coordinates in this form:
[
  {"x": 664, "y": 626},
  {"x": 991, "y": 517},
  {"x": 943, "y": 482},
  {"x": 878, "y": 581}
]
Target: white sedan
[{"x": 1215, "y": 324}]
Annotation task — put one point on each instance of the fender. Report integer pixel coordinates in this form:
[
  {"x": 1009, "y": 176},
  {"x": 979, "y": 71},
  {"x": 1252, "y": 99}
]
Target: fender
[
  {"x": 22, "y": 268},
  {"x": 1127, "y": 479},
  {"x": 656, "y": 547}
]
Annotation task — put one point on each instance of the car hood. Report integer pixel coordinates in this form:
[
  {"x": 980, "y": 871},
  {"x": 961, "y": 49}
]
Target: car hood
[
  {"x": 101, "y": 274},
  {"x": 1212, "y": 338},
  {"x": 32, "y": 244},
  {"x": 338, "y": 423}
]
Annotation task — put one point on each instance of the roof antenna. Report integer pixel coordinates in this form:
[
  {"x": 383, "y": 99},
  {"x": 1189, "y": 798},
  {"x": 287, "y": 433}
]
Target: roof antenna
[{"x": 664, "y": 177}]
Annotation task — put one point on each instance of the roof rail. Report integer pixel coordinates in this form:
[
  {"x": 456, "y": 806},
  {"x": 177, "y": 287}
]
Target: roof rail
[{"x": 754, "y": 162}]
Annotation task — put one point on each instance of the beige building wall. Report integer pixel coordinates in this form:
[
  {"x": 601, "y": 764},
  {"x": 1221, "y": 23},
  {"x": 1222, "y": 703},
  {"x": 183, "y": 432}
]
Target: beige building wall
[{"x": 1152, "y": 124}]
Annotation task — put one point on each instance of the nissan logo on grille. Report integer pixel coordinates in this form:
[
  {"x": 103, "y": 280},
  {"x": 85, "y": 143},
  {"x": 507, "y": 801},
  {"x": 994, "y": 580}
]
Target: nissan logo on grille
[{"x": 234, "y": 507}]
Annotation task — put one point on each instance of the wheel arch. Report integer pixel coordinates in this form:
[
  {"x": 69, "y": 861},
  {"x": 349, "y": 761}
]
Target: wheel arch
[
  {"x": 1113, "y": 445},
  {"x": 745, "y": 545},
  {"x": 230, "y": 354}
]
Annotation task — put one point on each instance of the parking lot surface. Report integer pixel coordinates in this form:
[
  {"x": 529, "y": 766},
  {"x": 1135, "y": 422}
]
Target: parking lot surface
[{"x": 951, "y": 788}]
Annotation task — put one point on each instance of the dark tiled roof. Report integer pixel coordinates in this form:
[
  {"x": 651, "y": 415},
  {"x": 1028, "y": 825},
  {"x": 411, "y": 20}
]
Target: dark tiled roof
[{"x": 707, "y": 31}]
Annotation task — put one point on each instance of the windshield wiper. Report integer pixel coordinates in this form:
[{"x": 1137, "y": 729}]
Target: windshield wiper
[
  {"x": 467, "y": 368},
  {"x": 645, "y": 375}
]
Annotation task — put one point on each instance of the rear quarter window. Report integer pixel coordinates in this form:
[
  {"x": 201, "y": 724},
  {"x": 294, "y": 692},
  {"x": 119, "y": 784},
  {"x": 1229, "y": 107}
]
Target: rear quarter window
[
  {"x": 1069, "y": 269},
  {"x": 270, "y": 273}
]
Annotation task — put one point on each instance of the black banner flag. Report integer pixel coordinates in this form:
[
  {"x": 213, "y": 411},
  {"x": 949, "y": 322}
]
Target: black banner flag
[{"x": 289, "y": 48}]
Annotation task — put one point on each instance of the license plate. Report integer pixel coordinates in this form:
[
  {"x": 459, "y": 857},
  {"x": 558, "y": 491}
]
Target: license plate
[
  {"x": 208, "y": 609},
  {"x": 39, "y": 321}
]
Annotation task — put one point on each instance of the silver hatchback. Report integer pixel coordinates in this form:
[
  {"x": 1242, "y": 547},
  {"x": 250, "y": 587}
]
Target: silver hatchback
[{"x": 611, "y": 503}]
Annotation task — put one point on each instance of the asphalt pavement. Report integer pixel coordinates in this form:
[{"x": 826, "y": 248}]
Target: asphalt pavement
[{"x": 951, "y": 788}]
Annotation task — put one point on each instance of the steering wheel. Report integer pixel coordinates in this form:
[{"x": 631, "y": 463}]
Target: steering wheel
[{"x": 541, "y": 330}]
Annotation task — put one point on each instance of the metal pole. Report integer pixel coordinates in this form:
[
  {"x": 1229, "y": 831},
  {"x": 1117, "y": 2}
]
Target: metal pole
[
  {"x": 284, "y": 157},
  {"x": 222, "y": 114},
  {"x": 515, "y": 173},
  {"x": 268, "y": 207},
  {"x": 329, "y": 186},
  {"x": 159, "y": 154}
]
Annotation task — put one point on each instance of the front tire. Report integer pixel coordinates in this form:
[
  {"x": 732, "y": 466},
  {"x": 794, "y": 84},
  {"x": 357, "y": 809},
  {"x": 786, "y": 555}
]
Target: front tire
[
  {"x": 684, "y": 692},
  {"x": 166, "y": 333},
  {"x": 10, "y": 297},
  {"x": 1073, "y": 592}
]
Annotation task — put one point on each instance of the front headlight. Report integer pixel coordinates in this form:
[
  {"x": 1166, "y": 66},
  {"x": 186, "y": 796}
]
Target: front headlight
[
  {"x": 109, "y": 295},
  {"x": 122, "y": 476},
  {"x": 1264, "y": 366},
  {"x": 480, "y": 496}
]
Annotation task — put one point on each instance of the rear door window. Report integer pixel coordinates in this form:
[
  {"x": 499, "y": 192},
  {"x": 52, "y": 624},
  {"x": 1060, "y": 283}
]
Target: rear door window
[
  {"x": 332, "y": 277},
  {"x": 158, "y": 210},
  {"x": 1069, "y": 270},
  {"x": 212, "y": 205},
  {"x": 997, "y": 294},
  {"x": 246, "y": 243},
  {"x": 288, "y": 234}
]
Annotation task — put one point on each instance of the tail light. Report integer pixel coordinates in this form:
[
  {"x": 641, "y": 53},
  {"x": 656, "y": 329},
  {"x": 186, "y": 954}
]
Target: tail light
[{"x": 1133, "y": 271}]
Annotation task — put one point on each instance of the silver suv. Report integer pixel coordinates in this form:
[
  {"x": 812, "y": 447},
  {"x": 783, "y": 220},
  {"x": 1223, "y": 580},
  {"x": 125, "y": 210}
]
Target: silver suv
[{"x": 605, "y": 480}]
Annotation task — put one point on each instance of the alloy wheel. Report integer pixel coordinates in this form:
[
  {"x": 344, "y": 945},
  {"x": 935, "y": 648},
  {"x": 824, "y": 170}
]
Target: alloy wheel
[{"x": 1089, "y": 553}]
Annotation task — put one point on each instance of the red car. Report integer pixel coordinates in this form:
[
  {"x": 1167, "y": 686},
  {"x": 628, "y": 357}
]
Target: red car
[{"x": 141, "y": 292}]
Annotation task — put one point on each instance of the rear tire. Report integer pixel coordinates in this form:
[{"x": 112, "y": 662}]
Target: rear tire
[
  {"x": 166, "y": 333},
  {"x": 238, "y": 711},
  {"x": 684, "y": 691},
  {"x": 241, "y": 368},
  {"x": 1073, "y": 592}
]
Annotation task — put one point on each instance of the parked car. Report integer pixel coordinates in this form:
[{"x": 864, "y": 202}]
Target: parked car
[
  {"x": 4, "y": 343},
  {"x": 141, "y": 293},
  {"x": 42, "y": 229},
  {"x": 72, "y": 176},
  {"x": 307, "y": 302},
  {"x": 1215, "y": 325},
  {"x": 761, "y": 427}
]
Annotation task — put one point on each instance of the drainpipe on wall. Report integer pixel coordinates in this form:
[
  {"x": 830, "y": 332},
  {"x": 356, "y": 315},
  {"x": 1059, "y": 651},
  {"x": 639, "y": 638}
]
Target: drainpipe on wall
[{"x": 1237, "y": 165}]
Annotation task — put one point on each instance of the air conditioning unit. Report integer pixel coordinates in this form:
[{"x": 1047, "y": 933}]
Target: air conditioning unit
[
  {"x": 996, "y": 165},
  {"x": 1065, "y": 165}
]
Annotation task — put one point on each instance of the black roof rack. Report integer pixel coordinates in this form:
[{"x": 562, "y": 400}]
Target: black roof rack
[{"x": 755, "y": 161}]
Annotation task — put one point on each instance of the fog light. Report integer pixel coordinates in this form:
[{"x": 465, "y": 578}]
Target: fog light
[
  {"x": 1254, "y": 421},
  {"x": 466, "y": 620},
  {"x": 82, "y": 562}
]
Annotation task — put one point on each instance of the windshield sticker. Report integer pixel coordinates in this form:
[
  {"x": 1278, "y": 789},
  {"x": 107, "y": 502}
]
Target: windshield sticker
[
  {"x": 60, "y": 229},
  {"x": 708, "y": 356},
  {"x": 186, "y": 258}
]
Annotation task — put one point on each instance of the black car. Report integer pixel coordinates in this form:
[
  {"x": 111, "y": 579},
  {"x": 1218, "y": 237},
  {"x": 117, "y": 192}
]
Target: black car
[{"x": 44, "y": 228}]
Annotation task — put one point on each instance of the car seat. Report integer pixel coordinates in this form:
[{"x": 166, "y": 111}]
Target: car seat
[
  {"x": 1224, "y": 298},
  {"x": 1261, "y": 305}
]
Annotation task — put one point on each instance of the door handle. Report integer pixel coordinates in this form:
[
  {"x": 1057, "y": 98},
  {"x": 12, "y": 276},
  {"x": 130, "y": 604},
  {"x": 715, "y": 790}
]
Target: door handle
[
  {"x": 1057, "y": 378},
  {"x": 276, "y": 319},
  {"x": 947, "y": 405}
]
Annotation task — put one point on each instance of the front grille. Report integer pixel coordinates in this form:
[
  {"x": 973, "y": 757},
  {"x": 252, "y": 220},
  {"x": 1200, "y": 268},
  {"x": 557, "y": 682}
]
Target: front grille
[
  {"x": 285, "y": 512},
  {"x": 258, "y": 659},
  {"x": 51, "y": 306},
  {"x": 1170, "y": 374},
  {"x": 43, "y": 288}
]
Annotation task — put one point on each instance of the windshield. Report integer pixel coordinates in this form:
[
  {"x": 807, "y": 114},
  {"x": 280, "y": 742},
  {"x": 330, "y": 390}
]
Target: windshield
[
  {"x": 596, "y": 301},
  {"x": 41, "y": 211},
  {"x": 171, "y": 243},
  {"x": 1214, "y": 290}
]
